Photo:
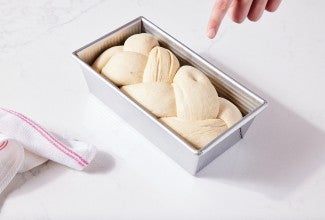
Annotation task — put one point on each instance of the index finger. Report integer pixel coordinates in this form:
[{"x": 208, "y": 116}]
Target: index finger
[{"x": 219, "y": 11}]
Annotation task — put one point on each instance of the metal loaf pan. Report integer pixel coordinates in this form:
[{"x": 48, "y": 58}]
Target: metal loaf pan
[{"x": 178, "y": 149}]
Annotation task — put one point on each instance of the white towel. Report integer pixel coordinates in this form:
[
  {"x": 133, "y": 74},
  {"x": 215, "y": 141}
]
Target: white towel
[{"x": 24, "y": 145}]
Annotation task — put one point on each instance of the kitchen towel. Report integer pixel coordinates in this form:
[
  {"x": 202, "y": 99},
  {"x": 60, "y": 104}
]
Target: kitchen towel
[{"x": 24, "y": 145}]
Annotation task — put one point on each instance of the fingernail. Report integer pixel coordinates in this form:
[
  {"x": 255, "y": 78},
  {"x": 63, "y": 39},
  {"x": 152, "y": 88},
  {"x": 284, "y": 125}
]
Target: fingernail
[{"x": 211, "y": 33}]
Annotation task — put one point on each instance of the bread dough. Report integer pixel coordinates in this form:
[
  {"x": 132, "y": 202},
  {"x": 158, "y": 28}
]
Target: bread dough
[
  {"x": 101, "y": 61},
  {"x": 196, "y": 97},
  {"x": 199, "y": 133},
  {"x": 182, "y": 98},
  {"x": 161, "y": 66},
  {"x": 125, "y": 68},
  {"x": 228, "y": 112},
  {"x": 157, "y": 97},
  {"x": 140, "y": 43}
]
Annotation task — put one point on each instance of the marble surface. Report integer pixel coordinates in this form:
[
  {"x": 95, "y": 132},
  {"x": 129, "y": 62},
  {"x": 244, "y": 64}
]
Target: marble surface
[{"x": 276, "y": 172}]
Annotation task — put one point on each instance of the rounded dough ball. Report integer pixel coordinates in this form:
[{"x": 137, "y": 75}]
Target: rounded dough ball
[
  {"x": 196, "y": 97},
  {"x": 161, "y": 66},
  {"x": 228, "y": 112},
  {"x": 198, "y": 133},
  {"x": 158, "y": 98},
  {"x": 125, "y": 68},
  {"x": 104, "y": 57},
  {"x": 140, "y": 43}
]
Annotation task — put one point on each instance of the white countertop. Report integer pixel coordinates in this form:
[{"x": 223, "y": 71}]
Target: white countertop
[{"x": 276, "y": 172}]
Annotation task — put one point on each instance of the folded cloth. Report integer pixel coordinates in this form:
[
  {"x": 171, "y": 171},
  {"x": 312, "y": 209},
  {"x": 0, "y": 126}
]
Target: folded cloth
[{"x": 24, "y": 145}]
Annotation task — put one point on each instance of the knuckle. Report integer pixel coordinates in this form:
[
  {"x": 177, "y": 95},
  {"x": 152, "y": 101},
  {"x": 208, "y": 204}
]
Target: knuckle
[
  {"x": 238, "y": 20},
  {"x": 253, "y": 18},
  {"x": 213, "y": 23},
  {"x": 270, "y": 9}
]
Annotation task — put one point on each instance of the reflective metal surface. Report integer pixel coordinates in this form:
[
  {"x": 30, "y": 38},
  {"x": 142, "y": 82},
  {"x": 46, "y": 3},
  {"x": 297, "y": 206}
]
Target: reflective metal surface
[{"x": 168, "y": 141}]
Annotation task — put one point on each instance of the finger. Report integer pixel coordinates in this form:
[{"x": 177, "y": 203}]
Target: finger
[
  {"x": 239, "y": 10},
  {"x": 257, "y": 9},
  {"x": 272, "y": 5},
  {"x": 218, "y": 13}
]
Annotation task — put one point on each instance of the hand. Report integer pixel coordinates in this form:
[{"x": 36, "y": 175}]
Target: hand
[{"x": 238, "y": 11}]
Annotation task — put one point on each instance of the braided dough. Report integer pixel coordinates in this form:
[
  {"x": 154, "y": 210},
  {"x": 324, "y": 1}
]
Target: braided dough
[
  {"x": 196, "y": 97},
  {"x": 157, "y": 97},
  {"x": 105, "y": 57},
  {"x": 182, "y": 98},
  {"x": 161, "y": 67}
]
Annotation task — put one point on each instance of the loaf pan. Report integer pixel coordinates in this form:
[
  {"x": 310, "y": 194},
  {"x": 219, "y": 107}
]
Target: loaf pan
[{"x": 165, "y": 139}]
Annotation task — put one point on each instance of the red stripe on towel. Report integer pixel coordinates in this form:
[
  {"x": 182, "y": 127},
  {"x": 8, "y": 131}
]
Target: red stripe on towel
[
  {"x": 55, "y": 142},
  {"x": 3, "y": 144}
]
